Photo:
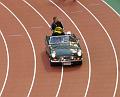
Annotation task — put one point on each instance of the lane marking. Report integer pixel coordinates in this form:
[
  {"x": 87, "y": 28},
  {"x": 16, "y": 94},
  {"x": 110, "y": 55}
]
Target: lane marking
[
  {"x": 95, "y": 4},
  {"x": 111, "y": 8},
  {"x": 15, "y": 35},
  {"x": 76, "y": 11},
  {"x": 37, "y": 27},
  {"x": 83, "y": 41},
  {"x": 60, "y": 83},
  {"x": 33, "y": 48},
  {"x": 116, "y": 58},
  {"x": 37, "y": 12},
  {"x": 8, "y": 63},
  {"x": 59, "y": 87}
]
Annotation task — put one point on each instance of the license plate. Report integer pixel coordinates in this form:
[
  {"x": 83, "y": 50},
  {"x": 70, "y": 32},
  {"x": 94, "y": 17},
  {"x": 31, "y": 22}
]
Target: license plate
[{"x": 67, "y": 63}]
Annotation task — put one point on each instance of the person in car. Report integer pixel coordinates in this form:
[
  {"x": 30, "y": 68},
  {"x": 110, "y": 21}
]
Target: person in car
[{"x": 57, "y": 27}]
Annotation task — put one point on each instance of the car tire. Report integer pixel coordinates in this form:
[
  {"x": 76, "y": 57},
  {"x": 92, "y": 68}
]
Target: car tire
[
  {"x": 81, "y": 62},
  {"x": 55, "y": 64},
  {"x": 46, "y": 52},
  {"x": 52, "y": 64},
  {"x": 78, "y": 63}
]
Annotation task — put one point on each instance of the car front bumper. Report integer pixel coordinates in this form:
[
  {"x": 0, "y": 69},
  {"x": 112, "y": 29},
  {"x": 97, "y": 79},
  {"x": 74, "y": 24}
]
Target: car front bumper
[{"x": 66, "y": 62}]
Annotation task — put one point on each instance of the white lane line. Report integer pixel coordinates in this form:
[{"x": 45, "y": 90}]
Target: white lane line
[
  {"x": 77, "y": 11},
  {"x": 15, "y": 35},
  {"x": 33, "y": 48},
  {"x": 7, "y": 51},
  {"x": 116, "y": 58},
  {"x": 94, "y": 4},
  {"x": 37, "y": 27},
  {"x": 60, "y": 83},
  {"x": 37, "y": 12},
  {"x": 111, "y": 8},
  {"x": 83, "y": 41},
  {"x": 59, "y": 87}
]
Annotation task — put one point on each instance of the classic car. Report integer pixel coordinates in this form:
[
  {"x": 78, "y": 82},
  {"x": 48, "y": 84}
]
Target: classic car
[{"x": 63, "y": 50}]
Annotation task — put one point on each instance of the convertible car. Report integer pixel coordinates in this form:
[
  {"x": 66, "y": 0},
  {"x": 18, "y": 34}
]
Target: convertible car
[{"x": 63, "y": 50}]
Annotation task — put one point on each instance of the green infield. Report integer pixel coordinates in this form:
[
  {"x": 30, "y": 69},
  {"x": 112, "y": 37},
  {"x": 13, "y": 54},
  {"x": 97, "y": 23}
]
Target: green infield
[{"x": 115, "y": 4}]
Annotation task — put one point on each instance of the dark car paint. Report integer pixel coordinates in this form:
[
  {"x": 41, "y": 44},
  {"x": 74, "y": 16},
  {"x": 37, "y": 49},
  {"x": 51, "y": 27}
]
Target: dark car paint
[{"x": 63, "y": 49}]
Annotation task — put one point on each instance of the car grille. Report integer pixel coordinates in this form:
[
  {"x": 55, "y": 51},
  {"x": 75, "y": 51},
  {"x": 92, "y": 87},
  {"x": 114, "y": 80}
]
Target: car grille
[{"x": 66, "y": 58}]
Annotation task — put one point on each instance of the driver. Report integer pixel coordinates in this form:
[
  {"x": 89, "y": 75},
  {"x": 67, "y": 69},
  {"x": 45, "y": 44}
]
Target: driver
[{"x": 57, "y": 27}]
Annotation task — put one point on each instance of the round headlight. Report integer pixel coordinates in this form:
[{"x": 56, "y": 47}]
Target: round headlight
[
  {"x": 79, "y": 53},
  {"x": 53, "y": 54}
]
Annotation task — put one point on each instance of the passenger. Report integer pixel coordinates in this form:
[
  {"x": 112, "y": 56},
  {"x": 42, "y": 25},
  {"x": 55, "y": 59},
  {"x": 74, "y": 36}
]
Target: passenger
[{"x": 57, "y": 27}]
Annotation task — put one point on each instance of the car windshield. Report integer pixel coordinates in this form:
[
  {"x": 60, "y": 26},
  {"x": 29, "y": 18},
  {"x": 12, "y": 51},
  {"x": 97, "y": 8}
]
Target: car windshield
[{"x": 59, "y": 39}]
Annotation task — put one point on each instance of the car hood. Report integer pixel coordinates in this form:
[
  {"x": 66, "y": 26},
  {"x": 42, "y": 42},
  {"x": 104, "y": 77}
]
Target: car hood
[{"x": 65, "y": 50}]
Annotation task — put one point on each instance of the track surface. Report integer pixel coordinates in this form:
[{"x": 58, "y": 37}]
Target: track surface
[{"x": 31, "y": 76}]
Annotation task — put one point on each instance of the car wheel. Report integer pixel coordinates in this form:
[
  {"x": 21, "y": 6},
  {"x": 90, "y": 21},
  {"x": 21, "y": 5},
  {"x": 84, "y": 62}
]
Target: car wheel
[
  {"x": 52, "y": 64},
  {"x": 81, "y": 62},
  {"x": 78, "y": 63},
  {"x": 46, "y": 52}
]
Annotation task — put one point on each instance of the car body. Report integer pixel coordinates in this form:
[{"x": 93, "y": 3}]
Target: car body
[{"x": 63, "y": 50}]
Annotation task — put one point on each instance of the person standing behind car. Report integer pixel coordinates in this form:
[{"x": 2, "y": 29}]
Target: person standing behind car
[{"x": 56, "y": 23}]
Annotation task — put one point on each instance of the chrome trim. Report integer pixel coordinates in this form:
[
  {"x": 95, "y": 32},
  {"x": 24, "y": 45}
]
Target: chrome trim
[{"x": 67, "y": 61}]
